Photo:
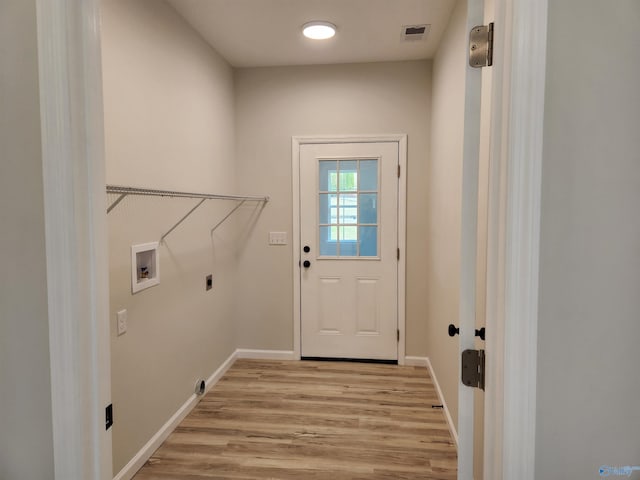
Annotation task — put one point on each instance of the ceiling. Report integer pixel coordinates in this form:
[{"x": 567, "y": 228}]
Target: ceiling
[{"x": 257, "y": 33}]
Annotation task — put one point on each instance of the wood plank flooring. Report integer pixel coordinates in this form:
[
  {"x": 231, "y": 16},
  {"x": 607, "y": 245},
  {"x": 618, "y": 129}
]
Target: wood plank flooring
[{"x": 311, "y": 420}]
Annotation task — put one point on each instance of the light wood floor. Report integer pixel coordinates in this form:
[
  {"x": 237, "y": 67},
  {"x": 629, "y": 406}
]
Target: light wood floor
[{"x": 311, "y": 420}]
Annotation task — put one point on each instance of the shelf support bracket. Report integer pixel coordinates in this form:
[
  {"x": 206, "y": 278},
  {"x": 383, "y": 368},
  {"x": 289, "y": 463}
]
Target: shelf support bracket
[
  {"x": 182, "y": 220},
  {"x": 227, "y": 215},
  {"x": 116, "y": 202}
]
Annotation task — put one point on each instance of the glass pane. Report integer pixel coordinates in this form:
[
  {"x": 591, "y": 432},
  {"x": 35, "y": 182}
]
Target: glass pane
[
  {"x": 348, "y": 176},
  {"x": 368, "y": 208},
  {"x": 323, "y": 209},
  {"x": 327, "y": 171},
  {"x": 368, "y": 241},
  {"x": 348, "y": 209},
  {"x": 333, "y": 209},
  {"x": 348, "y": 234},
  {"x": 348, "y": 241},
  {"x": 328, "y": 244},
  {"x": 348, "y": 249},
  {"x": 368, "y": 174}
]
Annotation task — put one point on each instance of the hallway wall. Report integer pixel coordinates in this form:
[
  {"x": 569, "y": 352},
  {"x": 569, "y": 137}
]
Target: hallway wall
[
  {"x": 26, "y": 434},
  {"x": 274, "y": 104},
  {"x": 169, "y": 124},
  {"x": 589, "y": 307},
  {"x": 443, "y": 206}
]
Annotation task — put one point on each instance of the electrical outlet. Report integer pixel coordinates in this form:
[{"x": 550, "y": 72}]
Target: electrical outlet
[
  {"x": 209, "y": 282},
  {"x": 121, "y": 317}
]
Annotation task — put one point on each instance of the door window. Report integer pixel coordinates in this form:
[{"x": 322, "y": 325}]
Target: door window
[{"x": 348, "y": 216}]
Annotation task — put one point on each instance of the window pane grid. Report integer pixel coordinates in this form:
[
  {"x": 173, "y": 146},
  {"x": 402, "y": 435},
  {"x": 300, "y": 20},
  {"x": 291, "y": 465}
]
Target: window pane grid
[{"x": 348, "y": 225}]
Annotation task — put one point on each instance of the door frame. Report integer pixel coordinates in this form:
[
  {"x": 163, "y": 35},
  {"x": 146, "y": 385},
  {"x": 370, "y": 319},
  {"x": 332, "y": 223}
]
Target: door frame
[
  {"x": 515, "y": 181},
  {"x": 467, "y": 289},
  {"x": 296, "y": 143},
  {"x": 73, "y": 167},
  {"x": 514, "y": 211}
]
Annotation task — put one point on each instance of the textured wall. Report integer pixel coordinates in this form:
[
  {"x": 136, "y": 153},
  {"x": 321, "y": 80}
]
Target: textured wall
[{"x": 443, "y": 213}]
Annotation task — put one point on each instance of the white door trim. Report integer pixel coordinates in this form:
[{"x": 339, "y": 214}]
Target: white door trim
[
  {"x": 469, "y": 247},
  {"x": 71, "y": 110},
  {"x": 401, "y": 140},
  {"x": 514, "y": 238}
]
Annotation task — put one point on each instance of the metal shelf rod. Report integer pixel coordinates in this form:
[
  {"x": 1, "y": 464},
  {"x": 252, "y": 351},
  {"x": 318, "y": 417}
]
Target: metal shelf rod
[
  {"x": 170, "y": 193},
  {"x": 122, "y": 192}
]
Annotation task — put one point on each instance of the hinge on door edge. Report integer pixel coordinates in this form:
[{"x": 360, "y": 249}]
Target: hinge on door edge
[
  {"x": 398, "y": 255},
  {"x": 481, "y": 46},
  {"x": 398, "y": 334},
  {"x": 473, "y": 368},
  {"x": 398, "y": 171}
]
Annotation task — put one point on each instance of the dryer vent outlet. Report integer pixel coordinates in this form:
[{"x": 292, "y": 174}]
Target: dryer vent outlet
[{"x": 200, "y": 387}]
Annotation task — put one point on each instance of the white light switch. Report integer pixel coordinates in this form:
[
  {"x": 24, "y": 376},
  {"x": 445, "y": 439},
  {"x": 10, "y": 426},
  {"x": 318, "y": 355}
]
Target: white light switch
[
  {"x": 277, "y": 238},
  {"x": 121, "y": 317}
]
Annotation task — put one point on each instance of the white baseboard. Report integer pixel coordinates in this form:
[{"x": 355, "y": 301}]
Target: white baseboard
[
  {"x": 425, "y": 362},
  {"x": 416, "y": 361},
  {"x": 447, "y": 414},
  {"x": 136, "y": 463},
  {"x": 266, "y": 354}
]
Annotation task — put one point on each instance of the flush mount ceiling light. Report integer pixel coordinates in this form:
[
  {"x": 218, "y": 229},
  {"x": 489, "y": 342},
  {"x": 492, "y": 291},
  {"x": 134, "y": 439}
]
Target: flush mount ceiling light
[{"x": 319, "y": 30}]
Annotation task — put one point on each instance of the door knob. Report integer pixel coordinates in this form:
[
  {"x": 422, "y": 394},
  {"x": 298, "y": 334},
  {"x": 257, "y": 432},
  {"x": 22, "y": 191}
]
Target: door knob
[
  {"x": 306, "y": 264},
  {"x": 453, "y": 331},
  {"x": 306, "y": 249}
]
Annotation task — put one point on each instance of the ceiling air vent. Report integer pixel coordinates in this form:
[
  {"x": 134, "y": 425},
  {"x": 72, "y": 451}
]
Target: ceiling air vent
[{"x": 415, "y": 32}]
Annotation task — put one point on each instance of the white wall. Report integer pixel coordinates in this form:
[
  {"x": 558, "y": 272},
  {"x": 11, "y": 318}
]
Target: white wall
[
  {"x": 274, "y": 104},
  {"x": 26, "y": 438},
  {"x": 443, "y": 212},
  {"x": 169, "y": 124},
  {"x": 589, "y": 324}
]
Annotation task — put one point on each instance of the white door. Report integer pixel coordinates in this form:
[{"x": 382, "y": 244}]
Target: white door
[
  {"x": 476, "y": 120},
  {"x": 349, "y": 242}
]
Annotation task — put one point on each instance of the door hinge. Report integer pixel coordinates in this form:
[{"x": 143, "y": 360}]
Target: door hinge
[
  {"x": 398, "y": 334},
  {"x": 398, "y": 253},
  {"x": 398, "y": 171},
  {"x": 481, "y": 46},
  {"x": 473, "y": 368}
]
